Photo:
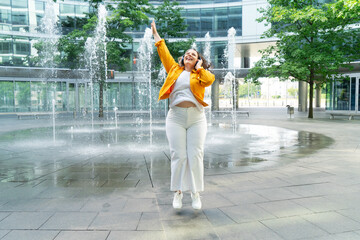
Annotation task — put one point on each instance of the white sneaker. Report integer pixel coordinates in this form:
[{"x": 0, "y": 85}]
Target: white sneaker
[
  {"x": 177, "y": 202},
  {"x": 196, "y": 202}
]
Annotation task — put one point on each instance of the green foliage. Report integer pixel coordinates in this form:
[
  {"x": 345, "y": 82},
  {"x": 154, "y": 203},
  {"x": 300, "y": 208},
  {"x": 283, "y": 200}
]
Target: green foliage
[
  {"x": 292, "y": 92},
  {"x": 315, "y": 40},
  {"x": 252, "y": 89},
  {"x": 169, "y": 22},
  {"x": 126, "y": 16}
]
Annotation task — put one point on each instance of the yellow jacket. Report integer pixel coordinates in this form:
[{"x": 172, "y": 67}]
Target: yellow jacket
[{"x": 199, "y": 79}]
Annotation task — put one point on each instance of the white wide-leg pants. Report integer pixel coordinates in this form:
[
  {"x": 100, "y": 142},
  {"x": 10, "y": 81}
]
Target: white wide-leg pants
[{"x": 186, "y": 131}]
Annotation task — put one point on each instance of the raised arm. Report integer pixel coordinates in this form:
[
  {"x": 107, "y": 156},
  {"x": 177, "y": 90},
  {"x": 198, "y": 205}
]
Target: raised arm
[
  {"x": 154, "y": 32},
  {"x": 164, "y": 54}
]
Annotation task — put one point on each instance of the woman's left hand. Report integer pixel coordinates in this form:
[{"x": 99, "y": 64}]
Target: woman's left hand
[{"x": 199, "y": 64}]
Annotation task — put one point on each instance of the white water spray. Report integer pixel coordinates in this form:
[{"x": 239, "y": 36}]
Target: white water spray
[
  {"x": 95, "y": 56},
  {"x": 207, "y": 55},
  {"x": 145, "y": 52}
]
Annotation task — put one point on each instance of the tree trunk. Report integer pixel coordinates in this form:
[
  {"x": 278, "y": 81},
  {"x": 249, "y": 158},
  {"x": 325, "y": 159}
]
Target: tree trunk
[
  {"x": 311, "y": 95},
  {"x": 101, "y": 100}
]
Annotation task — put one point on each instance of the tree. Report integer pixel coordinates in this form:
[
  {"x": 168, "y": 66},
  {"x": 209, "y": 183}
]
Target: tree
[
  {"x": 127, "y": 16},
  {"x": 314, "y": 41}
]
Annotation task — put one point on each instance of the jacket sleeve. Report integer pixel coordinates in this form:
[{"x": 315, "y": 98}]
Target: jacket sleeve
[
  {"x": 206, "y": 78},
  {"x": 165, "y": 56}
]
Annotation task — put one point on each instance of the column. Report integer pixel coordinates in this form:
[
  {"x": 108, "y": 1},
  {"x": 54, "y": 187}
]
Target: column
[
  {"x": 215, "y": 95},
  {"x": 318, "y": 96},
  {"x": 303, "y": 92}
]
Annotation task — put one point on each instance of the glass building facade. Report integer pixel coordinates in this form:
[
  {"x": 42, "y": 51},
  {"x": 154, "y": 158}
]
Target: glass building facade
[
  {"x": 19, "y": 31},
  {"x": 344, "y": 94}
]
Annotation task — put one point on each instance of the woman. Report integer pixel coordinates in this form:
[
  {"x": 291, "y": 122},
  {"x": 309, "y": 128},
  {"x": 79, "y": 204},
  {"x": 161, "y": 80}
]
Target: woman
[{"x": 185, "y": 123}]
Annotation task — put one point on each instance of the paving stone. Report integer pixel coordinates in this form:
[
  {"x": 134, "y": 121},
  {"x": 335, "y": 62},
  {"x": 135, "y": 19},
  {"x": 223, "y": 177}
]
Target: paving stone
[
  {"x": 251, "y": 230},
  {"x": 141, "y": 205},
  {"x": 189, "y": 229},
  {"x": 104, "y": 205},
  {"x": 351, "y": 213},
  {"x": 150, "y": 222},
  {"x": 217, "y": 217},
  {"x": 24, "y": 205},
  {"x": 3, "y": 233},
  {"x": 69, "y": 221},
  {"x": 214, "y": 201},
  {"x": 137, "y": 235},
  {"x": 294, "y": 228},
  {"x": 339, "y": 236},
  {"x": 167, "y": 212},
  {"x": 116, "y": 221},
  {"x": 319, "y": 204},
  {"x": 3, "y": 215},
  {"x": 275, "y": 194},
  {"x": 64, "y": 205},
  {"x": 332, "y": 222},
  {"x": 30, "y": 235},
  {"x": 246, "y": 213},
  {"x": 25, "y": 220},
  {"x": 82, "y": 235},
  {"x": 284, "y": 208},
  {"x": 239, "y": 198}
]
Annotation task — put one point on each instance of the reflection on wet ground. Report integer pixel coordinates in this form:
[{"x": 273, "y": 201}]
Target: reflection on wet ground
[{"x": 123, "y": 157}]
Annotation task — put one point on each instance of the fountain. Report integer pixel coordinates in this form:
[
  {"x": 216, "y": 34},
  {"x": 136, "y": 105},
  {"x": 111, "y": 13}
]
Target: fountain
[
  {"x": 145, "y": 52},
  {"x": 115, "y": 114},
  {"x": 230, "y": 79},
  {"x": 49, "y": 38},
  {"x": 207, "y": 55},
  {"x": 53, "y": 117},
  {"x": 230, "y": 88},
  {"x": 95, "y": 56},
  {"x": 193, "y": 46}
]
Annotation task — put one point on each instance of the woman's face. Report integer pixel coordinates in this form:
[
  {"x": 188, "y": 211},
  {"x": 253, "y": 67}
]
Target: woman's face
[{"x": 190, "y": 57}]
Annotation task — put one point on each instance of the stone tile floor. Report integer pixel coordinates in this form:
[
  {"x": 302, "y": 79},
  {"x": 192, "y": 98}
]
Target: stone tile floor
[{"x": 58, "y": 193}]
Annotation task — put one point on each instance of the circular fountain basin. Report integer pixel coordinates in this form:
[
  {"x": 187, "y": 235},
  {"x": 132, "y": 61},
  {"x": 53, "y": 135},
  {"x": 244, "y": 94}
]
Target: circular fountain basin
[
  {"x": 248, "y": 143},
  {"x": 32, "y": 155}
]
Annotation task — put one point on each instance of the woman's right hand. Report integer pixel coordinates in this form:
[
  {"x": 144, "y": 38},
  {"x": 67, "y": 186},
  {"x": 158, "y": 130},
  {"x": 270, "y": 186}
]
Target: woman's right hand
[
  {"x": 153, "y": 28},
  {"x": 154, "y": 32}
]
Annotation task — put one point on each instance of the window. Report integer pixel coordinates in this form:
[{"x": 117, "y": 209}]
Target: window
[
  {"x": 193, "y": 20},
  {"x": 39, "y": 6},
  {"x": 81, "y": 9},
  {"x": 341, "y": 94},
  {"x": 235, "y": 17},
  {"x": 5, "y": 16},
  {"x": 207, "y": 20},
  {"x": 19, "y": 3},
  {"x": 67, "y": 9},
  {"x": 5, "y": 46},
  {"x": 38, "y": 19},
  {"x": 20, "y": 18},
  {"x": 22, "y": 48},
  {"x": 6, "y": 96},
  {"x": 221, "y": 21},
  {"x": 5, "y": 3},
  {"x": 353, "y": 91}
]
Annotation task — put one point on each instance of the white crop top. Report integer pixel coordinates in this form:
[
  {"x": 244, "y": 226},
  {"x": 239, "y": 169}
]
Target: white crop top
[{"x": 182, "y": 92}]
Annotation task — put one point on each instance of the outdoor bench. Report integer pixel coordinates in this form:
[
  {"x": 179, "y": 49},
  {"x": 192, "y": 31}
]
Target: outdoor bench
[
  {"x": 229, "y": 112},
  {"x": 131, "y": 112},
  {"x": 36, "y": 115},
  {"x": 349, "y": 115}
]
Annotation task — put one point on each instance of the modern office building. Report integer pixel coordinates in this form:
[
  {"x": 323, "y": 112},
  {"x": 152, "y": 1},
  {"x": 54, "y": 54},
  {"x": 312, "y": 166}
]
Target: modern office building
[{"x": 24, "y": 87}]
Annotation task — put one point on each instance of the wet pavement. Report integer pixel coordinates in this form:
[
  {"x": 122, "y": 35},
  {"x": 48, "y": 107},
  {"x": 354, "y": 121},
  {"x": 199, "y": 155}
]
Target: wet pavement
[{"x": 271, "y": 177}]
